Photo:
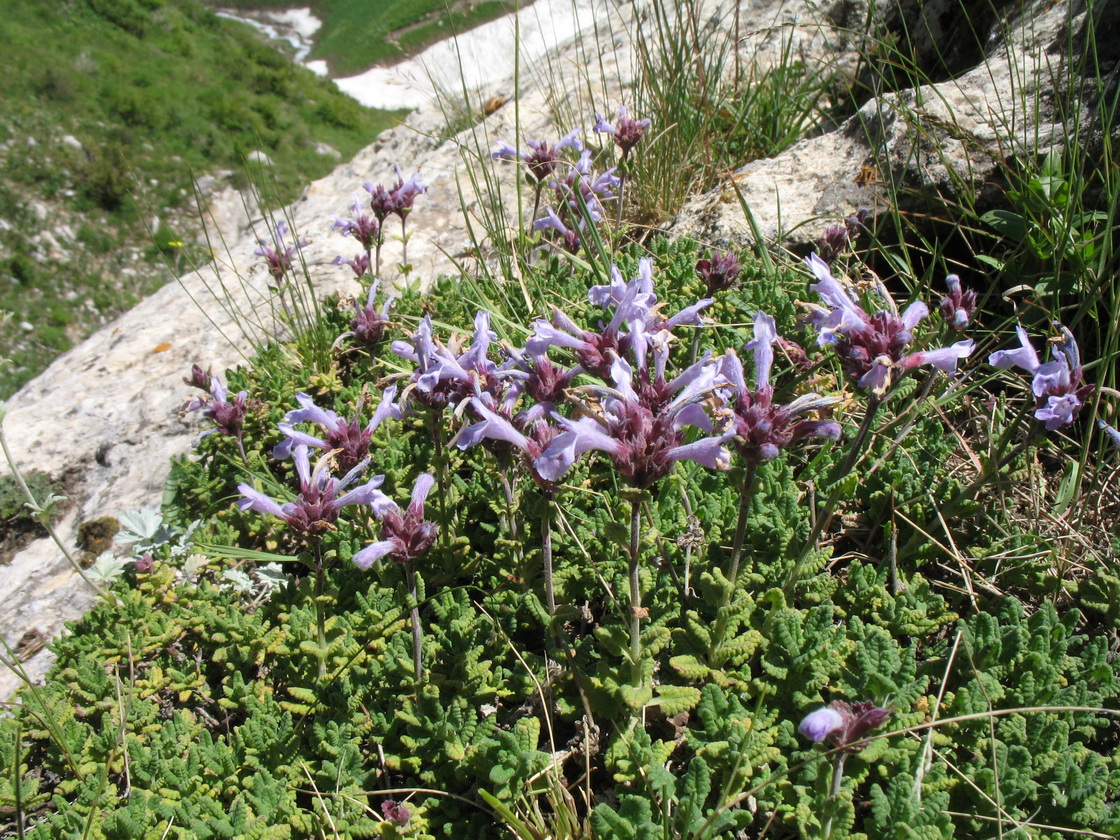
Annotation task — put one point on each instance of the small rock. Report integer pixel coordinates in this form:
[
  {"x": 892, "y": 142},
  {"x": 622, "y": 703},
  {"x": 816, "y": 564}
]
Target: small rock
[
  {"x": 72, "y": 141},
  {"x": 327, "y": 151},
  {"x": 26, "y": 326},
  {"x": 258, "y": 157}
]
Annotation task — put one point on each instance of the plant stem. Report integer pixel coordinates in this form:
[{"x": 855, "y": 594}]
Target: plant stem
[
  {"x": 320, "y": 613},
  {"x": 510, "y": 523},
  {"x": 824, "y": 517},
  {"x": 441, "y": 472},
  {"x": 837, "y": 778},
  {"x": 404, "y": 246},
  {"x": 417, "y": 637},
  {"x": 636, "y": 611},
  {"x": 745, "y": 495},
  {"x": 546, "y": 554},
  {"x": 43, "y": 520}
]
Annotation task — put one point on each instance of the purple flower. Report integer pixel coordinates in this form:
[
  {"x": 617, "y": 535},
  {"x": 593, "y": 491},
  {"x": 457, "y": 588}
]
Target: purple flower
[
  {"x": 363, "y": 228},
  {"x": 627, "y": 134},
  {"x": 317, "y": 507},
  {"x": 761, "y": 429},
  {"x": 640, "y": 423},
  {"x": 872, "y": 348},
  {"x": 279, "y": 258},
  {"x": 444, "y": 377},
  {"x": 369, "y": 324},
  {"x": 837, "y": 237},
  {"x": 395, "y": 812},
  {"x": 541, "y": 159},
  {"x": 820, "y": 724},
  {"x": 228, "y": 417},
  {"x": 845, "y": 725},
  {"x": 582, "y": 191},
  {"x": 396, "y": 200},
  {"x": 634, "y": 311},
  {"x": 719, "y": 272},
  {"x": 198, "y": 378},
  {"x": 347, "y": 440},
  {"x": 569, "y": 239},
  {"x": 359, "y": 265},
  {"x": 958, "y": 306},
  {"x": 405, "y": 535},
  {"x": 1057, "y": 385}
]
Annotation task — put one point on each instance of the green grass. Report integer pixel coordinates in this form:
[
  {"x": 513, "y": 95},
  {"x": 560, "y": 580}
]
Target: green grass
[
  {"x": 156, "y": 92},
  {"x": 357, "y": 34}
]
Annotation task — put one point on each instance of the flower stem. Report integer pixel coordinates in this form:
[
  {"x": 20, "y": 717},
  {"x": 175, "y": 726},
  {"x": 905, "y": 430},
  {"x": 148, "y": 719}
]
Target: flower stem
[
  {"x": 745, "y": 496},
  {"x": 636, "y": 611},
  {"x": 837, "y": 778},
  {"x": 441, "y": 473},
  {"x": 44, "y": 520},
  {"x": 320, "y": 612},
  {"x": 546, "y": 554},
  {"x": 404, "y": 246},
  {"x": 824, "y": 516},
  {"x": 417, "y": 637}
]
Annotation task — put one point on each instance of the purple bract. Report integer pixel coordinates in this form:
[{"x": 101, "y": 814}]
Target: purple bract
[
  {"x": 321, "y": 498},
  {"x": 872, "y": 348}
]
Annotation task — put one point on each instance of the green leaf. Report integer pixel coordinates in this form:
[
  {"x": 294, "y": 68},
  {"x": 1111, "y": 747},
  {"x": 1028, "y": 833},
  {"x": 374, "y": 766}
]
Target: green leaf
[
  {"x": 674, "y": 699},
  {"x": 1006, "y": 223}
]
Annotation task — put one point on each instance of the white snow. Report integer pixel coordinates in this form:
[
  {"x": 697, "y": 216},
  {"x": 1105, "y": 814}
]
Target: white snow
[{"x": 484, "y": 55}]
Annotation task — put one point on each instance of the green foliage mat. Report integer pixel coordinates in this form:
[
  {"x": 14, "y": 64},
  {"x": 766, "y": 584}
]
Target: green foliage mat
[{"x": 197, "y": 709}]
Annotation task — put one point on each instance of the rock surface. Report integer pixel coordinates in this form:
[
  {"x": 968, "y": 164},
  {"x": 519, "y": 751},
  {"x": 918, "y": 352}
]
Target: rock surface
[{"x": 107, "y": 410}]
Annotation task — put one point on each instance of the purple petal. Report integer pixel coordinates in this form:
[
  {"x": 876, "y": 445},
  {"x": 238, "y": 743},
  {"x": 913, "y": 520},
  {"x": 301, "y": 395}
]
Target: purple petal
[
  {"x": 1024, "y": 356},
  {"x": 420, "y": 491},
  {"x": 311, "y": 413},
  {"x": 295, "y": 438},
  {"x": 820, "y": 724},
  {"x": 709, "y": 452},
  {"x": 372, "y": 553},
  {"x": 877, "y": 379},
  {"x": 255, "y": 500},
  {"x": 1059, "y": 411},
  {"x": 765, "y": 334},
  {"x": 944, "y": 358},
  {"x": 914, "y": 313}
]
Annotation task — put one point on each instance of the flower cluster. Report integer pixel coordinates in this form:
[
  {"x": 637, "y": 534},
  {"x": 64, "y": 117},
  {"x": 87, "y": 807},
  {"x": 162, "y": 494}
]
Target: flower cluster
[
  {"x": 321, "y": 497},
  {"x": 844, "y": 725},
  {"x": 762, "y": 429},
  {"x": 579, "y": 191},
  {"x": 369, "y": 323},
  {"x": 405, "y": 535},
  {"x": 959, "y": 305},
  {"x": 444, "y": 376},
  {"x": 278, "y": 255},
  {"x": 395, "y": 200},
  {"x": 873, "y": 347},
  {"x": 639, "y": 416},
  {"x": 1058, "y": 385},
  {"x": 348, "y": 441},
  {"x": 627, "y": 133},
  {"x": 228, "y": 416},
  {"x": 369, "y": 231},
  {"x": 719, "y": 272},
  {"x": 837, "y": 237}
]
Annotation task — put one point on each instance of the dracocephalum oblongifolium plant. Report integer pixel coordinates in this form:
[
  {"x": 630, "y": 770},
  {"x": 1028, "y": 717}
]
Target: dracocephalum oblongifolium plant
[{"x": 584, "y": 591}]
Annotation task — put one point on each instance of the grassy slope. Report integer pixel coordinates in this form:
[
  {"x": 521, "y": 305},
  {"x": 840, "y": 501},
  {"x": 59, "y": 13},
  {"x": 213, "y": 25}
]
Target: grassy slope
[
  {"x": 358, "y": 34},
  {"x": 156, "y": 92}
]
